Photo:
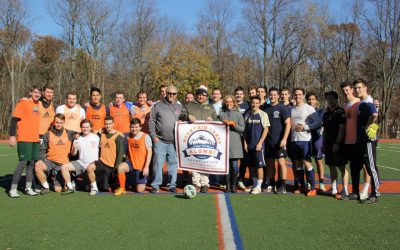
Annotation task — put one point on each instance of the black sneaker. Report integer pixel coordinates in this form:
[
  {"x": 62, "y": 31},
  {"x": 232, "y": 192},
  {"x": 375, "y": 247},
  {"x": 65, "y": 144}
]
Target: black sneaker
[
  {"x": 45, "y": 191},
  {"x": 370, "y": 200},
  {"x": 281, "y": 190},
  {"x": 353, "y": 197},
  {"x": 204, "y": 189},
  {"x": 172, "y": 189},
  {"x": 154, "y": 190}
]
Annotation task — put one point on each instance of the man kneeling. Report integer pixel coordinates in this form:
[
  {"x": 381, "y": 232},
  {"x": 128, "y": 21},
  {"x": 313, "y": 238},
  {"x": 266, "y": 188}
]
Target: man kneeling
[
  {"x": 88, "y": 146},
  {"x": 139, "y": 153}
]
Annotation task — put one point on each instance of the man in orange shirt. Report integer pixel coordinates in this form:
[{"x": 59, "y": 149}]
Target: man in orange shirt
[
  {"x": 140, "y": 152},
  {"x": 73, "y": 112},
  {"x": 24, "y": 132},
  {"x": 120, "y": 112},
  {"x": 111, "y": 155},
  {"x": 96, "y": 111},
  {"x": 54, "y": 152},
  {"x": 141, "y": 110}
]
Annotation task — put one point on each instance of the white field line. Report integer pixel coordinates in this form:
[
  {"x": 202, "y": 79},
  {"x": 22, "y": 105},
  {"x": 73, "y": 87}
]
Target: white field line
[
  {"x": 397, "y": 151},
  {"x": 395, "y": 169},
  {"x": 7, "y": 154},
  {"x": 227, "y": 232}
]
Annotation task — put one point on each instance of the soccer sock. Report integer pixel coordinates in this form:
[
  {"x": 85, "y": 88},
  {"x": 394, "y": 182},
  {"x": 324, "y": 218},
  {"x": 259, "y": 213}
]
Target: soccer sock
[
  {"x": 345, "y": 189},
  {"x": 13, "y": 187},
  {"x": 121, "y": 179},
  {"x": 300, "y": 177},
  {"x": 255, "y": 180},
  {"x": 45, "y": 184},
  {"x": 272, "y": 183},
  {"x": 259, "y": 182},
  {"x": 321, "y": 181},
  {"x": 93, "y": 185},
  {"x": 365, "y": 188},
  {"x": 28, "y": 185},
  {"x": 69, "y": 185},
  {"x": 334, "y": 185},
  {"x": 283, "y": 183},
  {"x": 311, "y": 177}
]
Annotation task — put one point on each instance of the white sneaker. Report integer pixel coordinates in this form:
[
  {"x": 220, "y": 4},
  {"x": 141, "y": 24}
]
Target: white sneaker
[
  {"x": 256, "y": 190},
  {"x": 13, "y": 193},
  {"x": 93, "y": 192},
  {"x": 268, "y": 189},
  {"x": 363, "y": 195},
  {"x": 29, "y": 191}
]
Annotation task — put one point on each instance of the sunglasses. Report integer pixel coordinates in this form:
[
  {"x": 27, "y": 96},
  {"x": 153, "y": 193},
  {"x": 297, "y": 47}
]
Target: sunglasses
[{"x": 169, "y": 93}]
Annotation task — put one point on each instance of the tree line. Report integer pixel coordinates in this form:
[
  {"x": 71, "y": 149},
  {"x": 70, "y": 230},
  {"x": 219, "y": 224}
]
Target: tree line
[{"x": 130, "y": 46}]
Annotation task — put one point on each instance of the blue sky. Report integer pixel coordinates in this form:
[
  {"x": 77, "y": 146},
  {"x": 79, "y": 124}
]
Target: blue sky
[{"x": 184, "y": 10}]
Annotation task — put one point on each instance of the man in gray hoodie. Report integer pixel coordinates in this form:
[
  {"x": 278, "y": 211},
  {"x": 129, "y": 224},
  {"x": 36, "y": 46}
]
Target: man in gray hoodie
[{"x": 163, "y": 116}]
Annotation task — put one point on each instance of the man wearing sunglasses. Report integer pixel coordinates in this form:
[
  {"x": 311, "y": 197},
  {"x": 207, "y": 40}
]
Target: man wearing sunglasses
[{"x": 163, "y": 116}]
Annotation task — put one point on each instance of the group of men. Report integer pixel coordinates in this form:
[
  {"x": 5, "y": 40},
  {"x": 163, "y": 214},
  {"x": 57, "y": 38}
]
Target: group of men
[{"x": 108, "y": 141}]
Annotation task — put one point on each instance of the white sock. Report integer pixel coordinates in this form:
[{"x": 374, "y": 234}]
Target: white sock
[
  {"x": 259, "y": 182},
  {"x": 309, "y": 169},
  {"x": 334, "y": 185},
  {"x": 69, "y": 185},
  {"x": 255, "y": 180},
  {"x": 93, "y": 186},
  {"x": 365, "y": 188},
  {"x": 344, "y": 190},
  {"x": 45, "y": 184}
]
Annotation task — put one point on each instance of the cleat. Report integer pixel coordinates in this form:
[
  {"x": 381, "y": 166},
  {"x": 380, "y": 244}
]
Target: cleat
[
  {"x": 312, "y": 193},
  {"x": 204, "y": 189},
  {"x": 93, "y": 192},
  {"x": 68, "y": 191},
  {"x": 268, "y": 189},
  {"x": 353, "y": 197},
  {"x": 119, "y": 192},
  {"x": 197, "y": 188},
  {"x": 322, "y": 187},
  {"x": 281, "y": 190},
  {"x": 370, "y": 200},
  {"x": 44, "y": 191},
  {"x": 13, "y": 194},
  {"x": 172, "y": 189},
  {"x": 256, "y": 190},
  {"x": 154, "y": 190},
  {"x": 241, "y": 185},
  {"x": 29, "y": 191}
]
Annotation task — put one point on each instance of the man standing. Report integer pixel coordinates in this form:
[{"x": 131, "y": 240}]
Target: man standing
[
  {"x": 366, "y": 138},
  {"x": 198, "y": 110},
  {"x": 54, "y": 152},
  {"x": 141, "y": 110},
  {"x": 139, "y": 152},
  {"x": 303, "y": 119},
  {"x": 24, "y": 132},
  {"x": 217, "y": 99},
  {"x": 239, "y": 96},
  {"x": 279, "y": 130},
  {"x": 163, "y": 116},
  {"x": 120, "y": 112},
  {"x": 189, "y": 97},
  {"x": 46, "y": 109},
  {"x": 111, "y": 155},
  {"x": 73, "y": 113},
  {"x": 96, "y": 111}
]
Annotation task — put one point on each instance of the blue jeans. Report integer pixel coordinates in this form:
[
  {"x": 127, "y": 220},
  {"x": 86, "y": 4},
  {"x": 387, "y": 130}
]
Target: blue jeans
[{"x": 164, "y": 151}]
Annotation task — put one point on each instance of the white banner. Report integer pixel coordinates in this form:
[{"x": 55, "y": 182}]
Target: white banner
[{"x": 202, "y": 147}]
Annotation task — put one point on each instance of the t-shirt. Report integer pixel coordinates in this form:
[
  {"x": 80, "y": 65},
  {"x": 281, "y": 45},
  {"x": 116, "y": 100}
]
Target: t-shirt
[
  {"x": 27, "y": 111},
  {"x": 255, "y": 123},
  {"x": 365, "y": 110},
  {"x": 277, "y": 115},
  {"x": 88, "y": 149},
  {"x": 351, "y": 109},
  {"x": 306, "y": 115},
  {"x": 243, "y": 107},
  {"x": 332, "y": 120},
  {"x": 217, "y": 106}
]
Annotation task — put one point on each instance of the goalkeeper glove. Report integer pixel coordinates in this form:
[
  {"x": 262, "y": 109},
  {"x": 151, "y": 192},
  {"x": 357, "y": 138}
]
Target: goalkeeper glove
[
  {"x": 372, "y": 130},
  {"x": 229, "y": 123}
]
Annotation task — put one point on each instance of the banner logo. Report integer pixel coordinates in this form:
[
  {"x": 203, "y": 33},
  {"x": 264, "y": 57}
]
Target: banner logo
[{"x": 202, "y": 145}]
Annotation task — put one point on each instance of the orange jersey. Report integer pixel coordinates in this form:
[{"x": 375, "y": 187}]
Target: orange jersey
[
  {"x": 96, "y": 116},
  {"x": 137, "y": 151},
  {"x": 46, "y": 117},
  {"x": 121, "y": 118},
  {"x": 108, "y": 149},
  {"x": 28, "y": 125},
  {"x": 351, "y": 122},
  {"x": 58, "y": 147},
  {"x": 72, "y": 119},
  {"x": 143, "y": 114}
]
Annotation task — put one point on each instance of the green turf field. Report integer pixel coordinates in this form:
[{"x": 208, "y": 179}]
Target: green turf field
[{"x": 165, "y": 221}]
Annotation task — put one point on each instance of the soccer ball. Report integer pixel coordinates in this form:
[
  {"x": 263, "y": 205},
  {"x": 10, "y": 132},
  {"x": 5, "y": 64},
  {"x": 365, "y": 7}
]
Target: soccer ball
[{"x": 189, "y": 191}]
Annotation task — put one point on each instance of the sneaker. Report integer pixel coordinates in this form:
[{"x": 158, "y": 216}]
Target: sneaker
[
  {"x": 308, "y": 186},
  {"x": 256, "y": 190},
  {"x": 363, "y": 195},
  {"x": 281, "y": 190},
  {"x": 204, "y": 189},
  {"x": 44, "y": 191},
  {"x": 312, "y": 193},
  {"x": 322, "y": 187},
  {"x": 370, "y": 200},
  {"x": 13, "y": 194},
  {"x": 197, "y": 188},
  {"x": 222, "y": 186},
  {"x": 29, "y": 191},
  {"x": 119, "y": 192},
  {"x": 172, "y": 189},
  {"x": 93, "y": 192},
  {"x": 68, "y": 191},
  {"x": 37, "y": 189},
  {"x": 353, "y": 197},
  {"x": 241, "y": 186},
  {"x": 268, "y": 189},
  {"x": 154, "y": 190}
]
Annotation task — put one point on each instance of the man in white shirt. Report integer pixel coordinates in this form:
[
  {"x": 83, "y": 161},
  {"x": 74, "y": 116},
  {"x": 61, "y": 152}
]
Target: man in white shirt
[
  {"x": 88, "y": 146},
  {"x": 73, "y": 113}
]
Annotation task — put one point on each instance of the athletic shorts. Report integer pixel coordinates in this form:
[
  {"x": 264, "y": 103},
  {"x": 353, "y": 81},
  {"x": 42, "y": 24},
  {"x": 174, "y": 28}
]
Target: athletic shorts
[
  {"x": 28, "y": 151},
  {"x": 275, "y": 152},
  {"x": 79, "y": 168},
  {"x": 54, "y": 168},
  {"x": 335, "y": 159},
  {"x": 301, "y": 150},
  {"x": 139, "y": 177},
  {"x": 317, "y": 149},
  {"x": 101, "y": 167},
  {"x": 256, "y": 159}
]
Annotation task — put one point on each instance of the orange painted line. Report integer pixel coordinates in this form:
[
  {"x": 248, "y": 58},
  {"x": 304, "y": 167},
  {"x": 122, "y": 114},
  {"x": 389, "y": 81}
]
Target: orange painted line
[{"x": 221, "y": 245}]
